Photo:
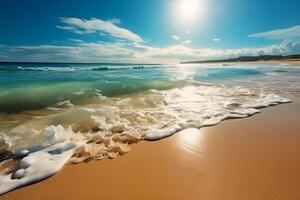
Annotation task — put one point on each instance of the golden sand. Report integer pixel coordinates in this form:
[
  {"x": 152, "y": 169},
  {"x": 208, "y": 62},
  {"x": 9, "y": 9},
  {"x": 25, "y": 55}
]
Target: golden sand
[{"x": 256, "y": 158}]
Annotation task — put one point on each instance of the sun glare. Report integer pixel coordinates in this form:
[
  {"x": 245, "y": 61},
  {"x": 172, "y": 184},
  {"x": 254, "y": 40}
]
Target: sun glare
[{"x": 189, "y": 11}]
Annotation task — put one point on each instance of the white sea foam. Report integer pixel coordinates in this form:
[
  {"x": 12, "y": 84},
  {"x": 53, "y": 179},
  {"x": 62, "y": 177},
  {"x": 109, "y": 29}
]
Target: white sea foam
[
  {"x": 206, "y": 106},
  {"x": 156, "y": 114},
  {"x": 37, "y": 166},
  {"x": 57, "y": 134},
  {"x": 60, "y": 69},
  {"x": 61, "y": 104},
  {"x": 40, "y": 164},
  {"x": 107, "y": 129}
]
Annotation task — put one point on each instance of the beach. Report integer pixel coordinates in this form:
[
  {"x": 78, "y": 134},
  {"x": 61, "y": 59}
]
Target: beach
[
  {"x": 250, "y": 158},
  {"x": 149, "y": 100},
  {"x": 156, "y": 131}
]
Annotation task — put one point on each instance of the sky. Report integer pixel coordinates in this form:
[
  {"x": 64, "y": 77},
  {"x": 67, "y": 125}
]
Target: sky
[{"x": 146, "y": 31}]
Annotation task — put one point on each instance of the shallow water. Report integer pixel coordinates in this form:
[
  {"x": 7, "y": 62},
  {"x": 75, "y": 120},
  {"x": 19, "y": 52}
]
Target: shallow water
[{"x": 77, "y": 112}]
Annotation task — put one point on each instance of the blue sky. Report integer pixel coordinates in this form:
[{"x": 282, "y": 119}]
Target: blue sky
[{"x": 146, "y": 30}]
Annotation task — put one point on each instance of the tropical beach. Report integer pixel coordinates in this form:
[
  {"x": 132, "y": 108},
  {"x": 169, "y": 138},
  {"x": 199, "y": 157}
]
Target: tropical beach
[
  {"x": 88, "y": 125},
  {"x": 229, "y": 161},
  {"x": 186, "y": 102}
]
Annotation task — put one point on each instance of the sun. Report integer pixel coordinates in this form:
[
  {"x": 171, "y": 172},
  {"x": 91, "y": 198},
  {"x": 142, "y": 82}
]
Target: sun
[{"x": 189, "y": 11}]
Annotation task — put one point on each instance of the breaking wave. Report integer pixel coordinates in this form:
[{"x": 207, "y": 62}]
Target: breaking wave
[
  {"x": 82, "y": 68},
  {"x": 106, "y": 129}
]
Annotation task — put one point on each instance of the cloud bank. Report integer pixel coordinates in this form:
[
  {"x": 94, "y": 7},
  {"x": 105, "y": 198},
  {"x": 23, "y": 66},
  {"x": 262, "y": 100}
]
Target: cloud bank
[
  {"x": 126, "y": 46},
  {"x": 134, "y": 52}
]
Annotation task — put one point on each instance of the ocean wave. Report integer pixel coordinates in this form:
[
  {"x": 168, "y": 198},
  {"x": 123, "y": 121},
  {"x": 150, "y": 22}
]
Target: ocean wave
[
  {"x": 106, "y": 129},
  {"x": 49, "y": 95},
  {"x": 126, "y": 68},
  {"x": 61, "y": 104},
  {"x": 74, "y": 69},
  {"x": 32, "y": 69}
]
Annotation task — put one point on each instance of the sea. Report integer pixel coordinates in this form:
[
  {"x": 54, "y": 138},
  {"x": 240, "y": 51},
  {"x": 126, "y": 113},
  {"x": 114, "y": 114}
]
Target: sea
[{"x": 57, "y": 113}]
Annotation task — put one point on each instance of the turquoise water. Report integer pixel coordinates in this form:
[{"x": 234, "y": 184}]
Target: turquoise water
[
  {"x": 34, "y": 96},
  {"x": 26, "y": 86}
]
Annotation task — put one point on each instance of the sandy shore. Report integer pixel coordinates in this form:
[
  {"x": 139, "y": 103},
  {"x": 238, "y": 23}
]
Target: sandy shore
[
  {"x": 286, "y": 61},
  {"x": 246, "y": 159}
]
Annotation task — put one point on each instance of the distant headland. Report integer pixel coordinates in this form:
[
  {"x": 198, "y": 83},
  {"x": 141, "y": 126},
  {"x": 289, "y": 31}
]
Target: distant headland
[{"x": 295, "y": 57}]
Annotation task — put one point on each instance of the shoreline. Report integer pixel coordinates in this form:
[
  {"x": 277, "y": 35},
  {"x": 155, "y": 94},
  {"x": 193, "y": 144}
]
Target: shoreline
[
  {"x": 251, "y": 158},
  {"x": 287, "y": 62},
  {"x": 282, "y": 61}
]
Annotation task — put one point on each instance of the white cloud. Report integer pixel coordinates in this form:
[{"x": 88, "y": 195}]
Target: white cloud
[
  {"x": 175, "y": 37},
  {"x": 290, "y": 33},
  {"x": 187, "y": 42},
  {"x": 188, "y": 32},
  {"x": 216, "y": 40},
  {"x": 75, "y": 40},
  {"x": 134, "y": 52},
  {"x": 93, "y": 25}
]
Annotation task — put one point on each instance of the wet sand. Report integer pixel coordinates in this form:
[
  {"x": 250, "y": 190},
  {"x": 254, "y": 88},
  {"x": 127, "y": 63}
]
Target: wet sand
[{"x": 256, "y": 158}]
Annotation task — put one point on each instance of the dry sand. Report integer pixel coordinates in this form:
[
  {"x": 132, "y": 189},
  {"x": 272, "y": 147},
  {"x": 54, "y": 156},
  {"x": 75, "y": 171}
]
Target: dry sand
[{"x": 257, "y": 158}]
